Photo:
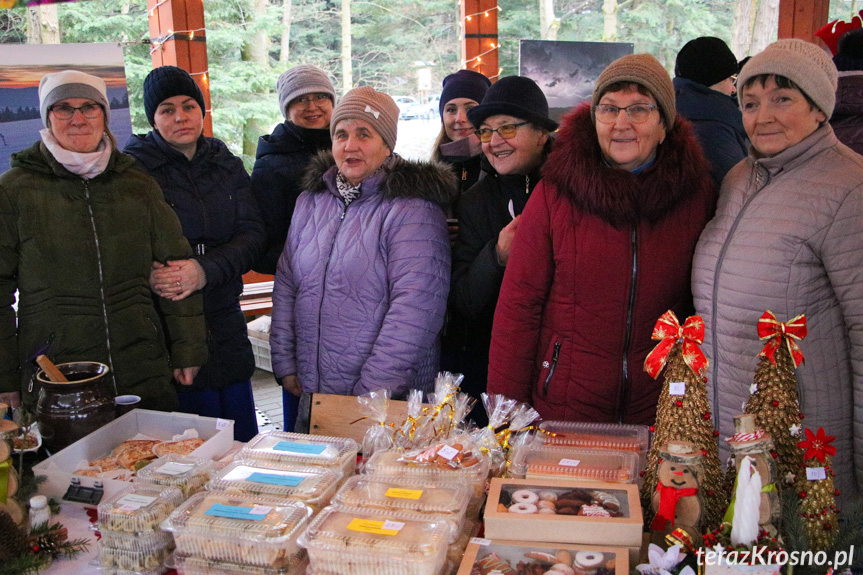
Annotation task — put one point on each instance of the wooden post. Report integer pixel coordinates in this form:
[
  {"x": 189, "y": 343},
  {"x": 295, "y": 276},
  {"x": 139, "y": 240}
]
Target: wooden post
[
  {"x": 801, "y": 18},
  {"x": 480, "y": 43},
  {"x": 178, "y": 38}
]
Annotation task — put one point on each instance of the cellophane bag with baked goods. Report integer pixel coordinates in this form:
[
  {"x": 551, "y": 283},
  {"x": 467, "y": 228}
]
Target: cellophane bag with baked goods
[{"x": 374, "y": 405}]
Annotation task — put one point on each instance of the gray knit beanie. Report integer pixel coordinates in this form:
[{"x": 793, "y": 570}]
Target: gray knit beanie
[
  {"x": 301, "y": 80},
  {"x": 72, "y": 84},
  {"x": 642, "y": 69},
  {"x": 803, "y": 63},
  {"x": 376, "y": 108}
]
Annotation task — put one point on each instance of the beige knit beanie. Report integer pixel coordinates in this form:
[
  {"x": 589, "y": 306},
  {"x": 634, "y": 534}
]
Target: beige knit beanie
[
  {"x": 376, "y": 108},
  {"x": 803, "y": 63},
  {"x": 645, "y": 70}
]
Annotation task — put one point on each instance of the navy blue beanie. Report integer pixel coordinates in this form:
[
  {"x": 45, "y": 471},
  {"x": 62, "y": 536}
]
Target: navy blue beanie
[
  {"x": 463, "y": 84},
  {"x": 849, "y": 58},
  {"x": 706, "y": 60},
  {"x": 516, "y": 96},
  {"x": 166, "y": 82}
]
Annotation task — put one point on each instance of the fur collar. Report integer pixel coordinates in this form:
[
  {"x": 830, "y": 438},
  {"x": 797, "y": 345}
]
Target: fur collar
[
  {"x": 431, "y": 181},
  {"x": 577, "y": 170}
]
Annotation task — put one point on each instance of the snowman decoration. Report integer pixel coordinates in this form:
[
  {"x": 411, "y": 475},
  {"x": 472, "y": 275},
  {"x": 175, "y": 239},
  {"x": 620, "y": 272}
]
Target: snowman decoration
[{"x": 677, "y": 499}]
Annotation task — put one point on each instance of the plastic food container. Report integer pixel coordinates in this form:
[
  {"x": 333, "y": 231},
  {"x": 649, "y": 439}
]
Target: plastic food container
[
  {"x": 188, "y": 474},
  {"x": 372, "y": 542},
  {"x": 298, "y": 448},
  {"x": 138, "y": 508},
  {"x": 559, "y": 462},
  {"x": 116, "y": 561},
  {"x": 619, "y": 437},
  {"x": 146, "y": 541},
  {"x": 240, "y": 529},
  {"x": 191, "y": 565},
  {"x": 386, "y": 463},
  {"x": 313, "y": 486}
]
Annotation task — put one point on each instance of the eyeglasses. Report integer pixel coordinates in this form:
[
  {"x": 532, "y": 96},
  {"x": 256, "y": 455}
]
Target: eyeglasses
[
  {"x": 308, "y": 99},
  {"x": 65, "y": 111},
  {"x": 507, "y": 131},
  {"x": 637, "y": 113}
]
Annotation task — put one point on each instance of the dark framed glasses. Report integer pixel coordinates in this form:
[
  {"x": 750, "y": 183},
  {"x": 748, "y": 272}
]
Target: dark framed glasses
[
  {"x": 637, "y": 113},
  {"x": 65, "y": 111},
  {"x": 310, "y": 98},
  {"x": 506, "y": 132}
]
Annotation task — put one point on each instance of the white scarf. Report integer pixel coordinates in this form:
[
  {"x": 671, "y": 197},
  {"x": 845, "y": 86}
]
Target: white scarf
[{"x": 88, "y": 165}]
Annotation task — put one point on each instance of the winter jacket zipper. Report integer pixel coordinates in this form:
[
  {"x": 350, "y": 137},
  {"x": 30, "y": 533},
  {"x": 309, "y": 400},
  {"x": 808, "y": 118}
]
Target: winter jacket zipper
[
  {"x": 627, "y": 339},
  {"x": 101, "y": 282},
  {"x": 554, "y": 357}
]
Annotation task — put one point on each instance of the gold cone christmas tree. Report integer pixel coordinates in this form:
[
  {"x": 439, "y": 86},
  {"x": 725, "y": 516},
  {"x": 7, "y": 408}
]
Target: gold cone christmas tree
[
  {"x": 816, "y": 490},
  {"x": 683, "y": 411},
  {"x": 773, "y": 398}
]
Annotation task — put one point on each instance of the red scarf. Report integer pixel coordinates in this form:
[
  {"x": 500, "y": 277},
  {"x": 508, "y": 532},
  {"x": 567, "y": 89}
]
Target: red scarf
[{"x": 668, "y": 498}]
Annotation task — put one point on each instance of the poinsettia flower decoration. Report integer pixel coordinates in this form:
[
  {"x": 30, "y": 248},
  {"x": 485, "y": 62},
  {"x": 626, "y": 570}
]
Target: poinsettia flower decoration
[{"x": 817, "y": 444}]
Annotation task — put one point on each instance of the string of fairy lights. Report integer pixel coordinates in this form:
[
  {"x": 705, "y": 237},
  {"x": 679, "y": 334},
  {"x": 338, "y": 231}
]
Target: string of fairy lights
[{"x": 492, "y": 46}]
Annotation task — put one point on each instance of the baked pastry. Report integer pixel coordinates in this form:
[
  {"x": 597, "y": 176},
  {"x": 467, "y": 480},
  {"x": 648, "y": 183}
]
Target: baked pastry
[{"x": 182, "y": 447}]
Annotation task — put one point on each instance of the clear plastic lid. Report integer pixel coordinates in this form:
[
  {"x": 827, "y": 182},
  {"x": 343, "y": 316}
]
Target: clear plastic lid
[
  {"x": 373, "y": 542},
  {"x": 139, "y": 507},
  {"x": 320, "y": 450},
  {"x": 114, "y": 560},
  {"x": 387, "y": 463},
  {"x": 193, "y": 565},
  {"x": 616, "y": 436},
  {"x": 314, "y": 486},
  {"x": 554, "y": 462},
  {"x": 241, "y": 529},
  {"x": 144, "y": 541},
  {"x": 404, "y": 494},
  {"x": 188, "y": 474}
]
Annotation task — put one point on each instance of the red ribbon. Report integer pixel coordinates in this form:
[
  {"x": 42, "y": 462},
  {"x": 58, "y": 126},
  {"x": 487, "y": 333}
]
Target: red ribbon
[
  {"x": 668, "y": 498},
  {"x": 775, "y": 331},
  {"x": 668, "y": 331}
]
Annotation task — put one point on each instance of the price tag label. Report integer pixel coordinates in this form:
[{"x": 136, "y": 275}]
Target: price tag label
[
  {"x": 399, "y": 493},
  {"x": 235, "y": 512},
  {"x": 816, "y": 473},
  {"x": 448, "y": 452},
  {"x": 569, "y": 462},
  {"x": 174, "y": 468},
  {"x": 375, "y": 527},
  {"x": 276, "y": 479},
  {"x": 223, "y": 423},
  {"x": 303, "y": 448},
  {"x": 133, "y": 501},
  {"x": 260, "y": 510},
  {"x": 677, "y": 388},
  {"x": 480, "y": 541}
]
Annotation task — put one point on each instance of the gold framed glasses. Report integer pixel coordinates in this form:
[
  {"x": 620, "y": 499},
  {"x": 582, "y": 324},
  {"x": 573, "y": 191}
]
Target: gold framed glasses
[
  {"x": 637, "y": 113},
  {"x": 507, "y": 131},
  {"x": 311, "y": 98},
  {"x": 65, "y": 111}
]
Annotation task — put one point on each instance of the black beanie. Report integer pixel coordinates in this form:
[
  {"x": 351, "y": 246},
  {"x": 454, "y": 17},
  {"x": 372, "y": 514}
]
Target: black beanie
[
  {"x": 463, "y": 84},
  {"x": 166, "y": 82},
  {"x": 849, "y": 58},
  {"x": 706, "y": 60},
  {"x": 516, "y": 96}
]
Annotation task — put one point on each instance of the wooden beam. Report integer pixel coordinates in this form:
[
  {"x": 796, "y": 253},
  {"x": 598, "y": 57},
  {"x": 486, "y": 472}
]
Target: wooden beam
[
  {"x": 178, "y": 38},
  {"x": 801, "y": 18},
  {"x": 480, "y": 40}
]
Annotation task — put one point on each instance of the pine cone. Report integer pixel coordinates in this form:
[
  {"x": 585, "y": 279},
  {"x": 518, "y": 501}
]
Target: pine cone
[{"x": 13, "y": 541}]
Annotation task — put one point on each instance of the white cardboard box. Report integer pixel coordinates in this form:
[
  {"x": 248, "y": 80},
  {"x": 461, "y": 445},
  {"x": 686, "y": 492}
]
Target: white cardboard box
[{"x": 218, "y": 436}]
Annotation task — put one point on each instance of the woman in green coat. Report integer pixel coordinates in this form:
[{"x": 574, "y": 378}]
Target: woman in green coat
[{"x": 80, "y": 226}]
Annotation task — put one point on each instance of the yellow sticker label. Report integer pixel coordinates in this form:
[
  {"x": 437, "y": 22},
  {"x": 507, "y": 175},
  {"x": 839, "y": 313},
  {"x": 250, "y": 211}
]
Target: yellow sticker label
[
  {"x": 376, "y": 527},
  {"x": 398, "y": 493}
]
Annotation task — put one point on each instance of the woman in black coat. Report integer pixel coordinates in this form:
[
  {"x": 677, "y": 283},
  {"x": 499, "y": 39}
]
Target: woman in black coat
[{"x": 209, "y": 190}]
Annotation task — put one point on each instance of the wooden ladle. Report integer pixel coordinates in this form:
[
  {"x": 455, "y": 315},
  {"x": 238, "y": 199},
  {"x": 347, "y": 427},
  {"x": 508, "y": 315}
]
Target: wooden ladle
[{"x": 51, "y": 370}]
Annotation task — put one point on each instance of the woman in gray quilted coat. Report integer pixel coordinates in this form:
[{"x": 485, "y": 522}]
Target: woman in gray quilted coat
[
  {"x": 788, "y": 237},
  {"x": 361, "y": 288}
]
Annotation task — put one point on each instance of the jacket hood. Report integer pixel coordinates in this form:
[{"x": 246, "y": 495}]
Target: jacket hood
[
  {"x": 698, "y": 102},
  {"x": 399, "y": 178},
  {"x": 288, "y": 138},
  {"x": 849, "y": 97},
  {"x": 577, "y": 170},
  {"x": 38, "y": 159}
]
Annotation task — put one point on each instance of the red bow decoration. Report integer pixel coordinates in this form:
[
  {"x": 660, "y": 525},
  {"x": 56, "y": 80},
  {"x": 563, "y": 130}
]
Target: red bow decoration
[
  {"x": 668, "y": 331},
  {"x": 832, "y": 31},
  {"x": 775, "y": 331},
  {"x": 817, "y": 444}
]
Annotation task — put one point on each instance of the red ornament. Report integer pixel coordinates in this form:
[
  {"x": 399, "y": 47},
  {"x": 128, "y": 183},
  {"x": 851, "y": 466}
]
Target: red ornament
[
  {"x": 642, "y": 472},
  {"x": 710, "y": 492},
  {"x": 715, "y": 433},
  {"x": 774, "y": 454},
  {"x": 802, "y": 416},
  {"x": 828, "y": 527},
  {"x": 817, "y": 445},
  {"x": 835, "y": 493},
  {"x": 707, "y": 415},
  {"x": 678, "y": 403},
  {"x": 703, "y": 453},
  {"x": 35, "y": 549},
  {"x": 652, "y": 428},
  {"x": 775, "y": 403},
  {"x": 802, "y": 495}
]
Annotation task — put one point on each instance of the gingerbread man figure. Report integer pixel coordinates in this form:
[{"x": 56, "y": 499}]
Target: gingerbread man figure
[{"x": 677, "y": 499}]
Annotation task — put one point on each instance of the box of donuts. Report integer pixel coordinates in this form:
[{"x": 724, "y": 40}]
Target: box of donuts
[
  {"x": 560, "y": 511},
  {"x": 502, "y": 557}
]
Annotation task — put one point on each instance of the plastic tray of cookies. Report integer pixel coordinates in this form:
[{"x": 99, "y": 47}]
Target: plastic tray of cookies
[
  {"x": 373, "y": 542},
  {"x": 313, "y": 486},
  {"x": 188, "y": 474},
  {"x": 619, "y": 437},
  {"x": 559, "y": 462},
  {"x": 469, "y": 530},
  {"x": 144, "y": 541},
  {"x": 404, "y": 494},
  {"x": 193, "y": 565},
  {"x": 319, "y": 450},
  {"x": 114, "y": 560},
  {"x": 391, "y": 463},
  {"x": 240, "y": 529},
  {"x": 138, "y": 508}
]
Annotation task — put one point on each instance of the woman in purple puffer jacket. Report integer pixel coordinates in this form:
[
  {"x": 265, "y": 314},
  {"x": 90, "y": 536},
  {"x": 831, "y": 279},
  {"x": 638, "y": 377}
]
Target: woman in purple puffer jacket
[{"x": 361, "y": 288}]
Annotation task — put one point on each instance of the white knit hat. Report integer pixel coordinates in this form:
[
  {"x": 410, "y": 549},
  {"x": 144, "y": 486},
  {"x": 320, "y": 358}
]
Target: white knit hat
[{"x": 72, "y": 84}]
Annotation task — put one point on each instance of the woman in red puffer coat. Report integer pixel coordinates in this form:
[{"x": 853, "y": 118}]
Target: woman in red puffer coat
[{"x": 604, "y": 248}]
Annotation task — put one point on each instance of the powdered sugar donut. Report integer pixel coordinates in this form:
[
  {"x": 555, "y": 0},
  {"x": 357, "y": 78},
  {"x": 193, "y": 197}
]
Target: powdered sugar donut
[
  {"x": 523, "y": 508},
  {"x": 546, "y": 504},
  {"x": 548, "y": 496},
  {"x": 588, "y": 559},
  {"x": 547, "y": 511},
  {"x": 525, "y": 496},
  {"x": 561, "y": 569}
]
